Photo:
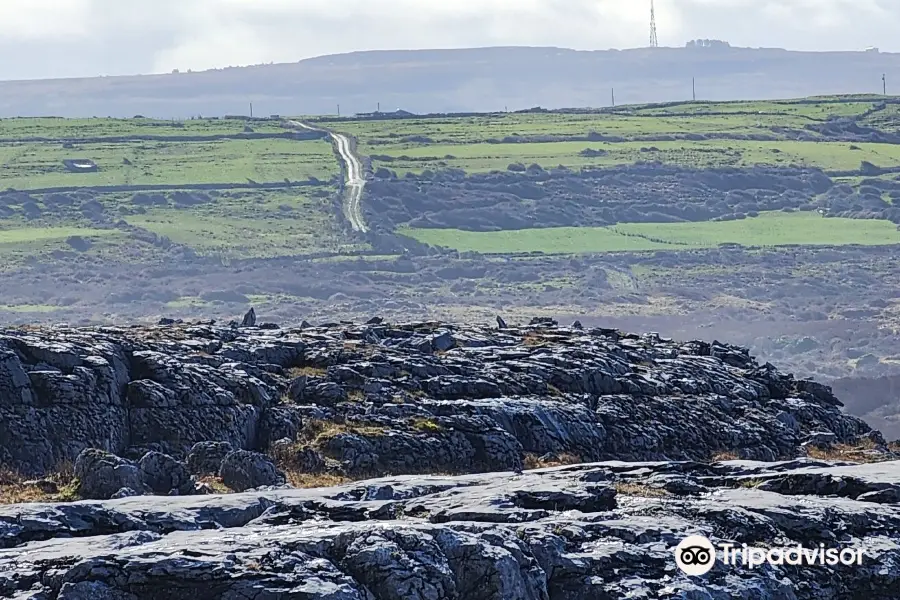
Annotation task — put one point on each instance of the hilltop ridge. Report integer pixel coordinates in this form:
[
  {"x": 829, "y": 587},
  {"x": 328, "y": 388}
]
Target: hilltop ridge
[{"x": 458, "y": 80}]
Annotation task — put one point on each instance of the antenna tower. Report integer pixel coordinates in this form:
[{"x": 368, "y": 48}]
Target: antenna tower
[{"x": 654, "y": 42}]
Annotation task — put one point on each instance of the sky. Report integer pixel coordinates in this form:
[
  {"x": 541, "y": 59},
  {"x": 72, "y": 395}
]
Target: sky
[{"x": 77, "y": 38}]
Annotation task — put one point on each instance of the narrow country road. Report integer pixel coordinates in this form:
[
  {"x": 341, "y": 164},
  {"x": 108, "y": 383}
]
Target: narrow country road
[{"x": 356, "y": 181}]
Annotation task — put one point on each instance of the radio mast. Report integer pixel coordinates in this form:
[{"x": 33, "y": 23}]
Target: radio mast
[{"x": 654, "y": 41}]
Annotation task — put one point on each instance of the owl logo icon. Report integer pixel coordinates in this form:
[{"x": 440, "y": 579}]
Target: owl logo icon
[{"x": 695, "y": 555}]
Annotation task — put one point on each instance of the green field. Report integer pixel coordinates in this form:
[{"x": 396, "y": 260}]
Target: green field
[
  {"x": 251, "y": 225},
  {"x": 21, "y": 242},
  {"x": 261, "y": 224},
  {"x": 474, "y": 158},
  {"x": 627, "y": 122},
  {"x": 670, "y": 134},
  {"x": 224, "y": 223},
  {"x": 769, "y": 229},
  {"x": 25, "y": 166},
  {"x": 58, "y": 128}
]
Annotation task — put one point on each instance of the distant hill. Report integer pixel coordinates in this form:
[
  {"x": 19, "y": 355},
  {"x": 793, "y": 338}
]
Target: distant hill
[{"x": 478, "y": 79}]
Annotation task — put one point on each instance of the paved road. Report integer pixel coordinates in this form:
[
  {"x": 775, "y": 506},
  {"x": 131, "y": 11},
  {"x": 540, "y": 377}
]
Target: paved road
[{"x": 356, "y": 181}]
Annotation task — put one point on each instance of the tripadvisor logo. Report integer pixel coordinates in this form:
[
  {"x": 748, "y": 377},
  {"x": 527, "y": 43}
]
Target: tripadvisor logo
[{"x": 695, "y": 555}]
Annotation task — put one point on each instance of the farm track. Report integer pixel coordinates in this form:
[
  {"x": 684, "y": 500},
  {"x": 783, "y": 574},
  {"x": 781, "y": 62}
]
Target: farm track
[{"x": 355, "y": 182}]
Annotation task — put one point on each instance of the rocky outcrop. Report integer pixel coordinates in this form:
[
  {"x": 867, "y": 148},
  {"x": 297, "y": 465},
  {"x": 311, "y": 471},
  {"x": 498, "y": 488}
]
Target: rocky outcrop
[
  {"x": 585, "y": 532},
  {"x": 396, "y": 398}
]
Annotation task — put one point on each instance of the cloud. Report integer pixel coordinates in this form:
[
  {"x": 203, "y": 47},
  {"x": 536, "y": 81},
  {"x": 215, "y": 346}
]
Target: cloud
[
  {"x": 118, "y": 37},
  {"x": 43, "y": 19}
]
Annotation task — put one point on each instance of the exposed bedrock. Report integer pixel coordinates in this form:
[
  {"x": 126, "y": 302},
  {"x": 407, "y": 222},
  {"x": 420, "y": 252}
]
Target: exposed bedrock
[
  {"x": 585, "y": 532},
  {"x": 399, "y": 398}
]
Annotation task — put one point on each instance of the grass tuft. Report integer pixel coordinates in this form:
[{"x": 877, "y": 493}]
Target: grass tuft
[{"x": 534, "y": 461}]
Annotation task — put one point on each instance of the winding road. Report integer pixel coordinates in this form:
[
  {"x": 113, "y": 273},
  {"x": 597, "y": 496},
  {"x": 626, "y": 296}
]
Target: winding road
[{"x": 356, "y": 180}]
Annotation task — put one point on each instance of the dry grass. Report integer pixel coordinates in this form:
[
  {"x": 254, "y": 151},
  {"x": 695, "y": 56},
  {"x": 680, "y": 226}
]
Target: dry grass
[
  {"x": 308, "y": 371},
  {"x": 533, "y": 339},
  {"x": 426, "y": 425},
  {"x": 534, "y": 461},
  {"x": 861, "y": 453},
  {"x": 215, "y": 483},
  {"x": 314, "y": 480},
  {"x": 750, "y": 483},
  {"x": 723, "y": 456},
  {"x": 638, "y": 489},
  {"x": 553, "y": 390},
  {"x": 58, "y": 486},
  {"x": 316, "y": 431}
]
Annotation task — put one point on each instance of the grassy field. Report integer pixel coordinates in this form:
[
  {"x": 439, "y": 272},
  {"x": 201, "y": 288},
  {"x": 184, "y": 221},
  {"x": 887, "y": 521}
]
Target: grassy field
[
  {"x": 229, "y": 224},
  {"x": 650, "y": 133},
  {"x": 463, "y": 130},
  {"x": 769, "y": 229},
  {"x": 627, "y": 122},
  {"x": 252, "y": 225},
  {"x": 21, "y": 242},
  {"x": 58, "y": 128},
  {"x": 25, "y": 166},
  {"x": 261, "y": 224},
  {"x": 233, "y": 224},
  {"x": 790, "y": 109},
  {"x": 482, "y": 157}
]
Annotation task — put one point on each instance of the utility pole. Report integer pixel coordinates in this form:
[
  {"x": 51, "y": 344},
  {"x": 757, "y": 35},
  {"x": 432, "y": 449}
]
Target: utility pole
[
  {"x": 251, "y": 110},
  {"x": 339, "y": 110},
  {"x": 614, "y": 96},
  {"x": 884, "y": 84},
  {"x": 694, "y": 87},
  {"x": 379, "y": 107}
]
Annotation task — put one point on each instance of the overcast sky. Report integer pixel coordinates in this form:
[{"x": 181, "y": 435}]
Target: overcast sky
[{"x": 66, "y": 38}]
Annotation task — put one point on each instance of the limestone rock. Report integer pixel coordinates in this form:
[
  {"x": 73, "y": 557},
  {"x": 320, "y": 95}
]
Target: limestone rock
[
  {"x": 243, "y": 470},
  {"x": 205, "y": 458},
  {"x": 101, "y": 474}
]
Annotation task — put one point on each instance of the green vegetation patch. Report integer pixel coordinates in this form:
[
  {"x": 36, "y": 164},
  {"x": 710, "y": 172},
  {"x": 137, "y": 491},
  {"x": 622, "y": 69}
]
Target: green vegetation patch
[
  {"x": 840, "y": 156},
  {"x": 60, "y": 128},
  {"x": 466, "y": 130},
  {"x": 250, "y": 225},
  {"x": 25, "y": 166},
  {"x": 672, "y": 134},
  {"x": 804, "y": 109},
  {"x": 21, "y": 244},
  {"x": 769, "y": 229},
  {"x": 36, "y": 235},
  {"x": 625, "y": 121}
]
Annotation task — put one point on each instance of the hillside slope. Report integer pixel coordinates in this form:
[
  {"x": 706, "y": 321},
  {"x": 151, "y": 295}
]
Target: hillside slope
[{"x": 478, "y": 79}]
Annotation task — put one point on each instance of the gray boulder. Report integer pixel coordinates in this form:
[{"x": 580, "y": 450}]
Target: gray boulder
[
  {"x": 205, "y": 458},
  {"x": 163, "y": 474},
  {"x": 296, "y": 388},
  {"x": 125, "y": 492},
  {"x": 244, "y": 470},
  {"x": 101, "y": 474}
]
